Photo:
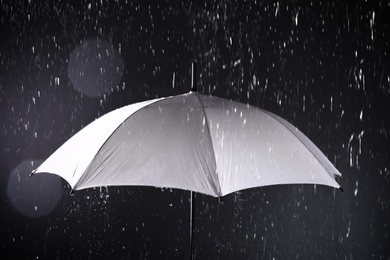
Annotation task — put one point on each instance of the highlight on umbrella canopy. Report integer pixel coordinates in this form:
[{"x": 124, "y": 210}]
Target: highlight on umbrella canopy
[{"x": 194, "y": 142}]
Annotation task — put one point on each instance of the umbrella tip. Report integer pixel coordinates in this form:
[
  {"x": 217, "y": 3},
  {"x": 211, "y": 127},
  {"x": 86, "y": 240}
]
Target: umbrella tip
[{"x": 341, "y": 189}]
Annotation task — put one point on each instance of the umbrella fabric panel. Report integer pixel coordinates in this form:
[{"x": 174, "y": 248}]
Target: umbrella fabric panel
[
  {"x": 329, "y": 167},
  {"x": 74, "y": 156},
  {"x": 164, "y": 144},
  {"x": 253, "y": 149}
]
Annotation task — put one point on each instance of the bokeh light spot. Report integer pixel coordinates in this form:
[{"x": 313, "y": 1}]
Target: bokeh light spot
[
  {"x": 33, "y": 196},
  {"x": 95, "y": 67}
]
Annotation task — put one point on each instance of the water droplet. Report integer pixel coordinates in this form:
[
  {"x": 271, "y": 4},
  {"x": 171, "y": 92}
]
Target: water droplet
[{"x": 356, "y": 188}]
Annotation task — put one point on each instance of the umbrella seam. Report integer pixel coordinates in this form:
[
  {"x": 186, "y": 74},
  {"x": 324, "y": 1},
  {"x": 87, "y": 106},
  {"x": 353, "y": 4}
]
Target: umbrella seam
[{"x": 212, "y": 144}]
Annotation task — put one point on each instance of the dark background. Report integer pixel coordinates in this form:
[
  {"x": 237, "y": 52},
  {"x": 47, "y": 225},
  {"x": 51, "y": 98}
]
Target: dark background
[{"x": 323, "y": 66}]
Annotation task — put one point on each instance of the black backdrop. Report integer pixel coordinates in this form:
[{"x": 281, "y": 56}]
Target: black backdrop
[{"x": 322, "y": 66}]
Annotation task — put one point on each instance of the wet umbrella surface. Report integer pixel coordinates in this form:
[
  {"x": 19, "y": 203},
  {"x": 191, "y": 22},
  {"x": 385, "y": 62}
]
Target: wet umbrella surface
[{"x": 322, "y": 67}]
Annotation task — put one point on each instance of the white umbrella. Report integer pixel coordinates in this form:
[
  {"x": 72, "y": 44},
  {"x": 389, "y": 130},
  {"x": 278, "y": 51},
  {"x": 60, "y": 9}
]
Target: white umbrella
[{"x": 192, "y": 142}]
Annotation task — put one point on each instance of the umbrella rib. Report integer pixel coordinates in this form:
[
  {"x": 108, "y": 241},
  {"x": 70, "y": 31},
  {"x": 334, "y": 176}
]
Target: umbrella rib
[{"x": 212, "y": 145}]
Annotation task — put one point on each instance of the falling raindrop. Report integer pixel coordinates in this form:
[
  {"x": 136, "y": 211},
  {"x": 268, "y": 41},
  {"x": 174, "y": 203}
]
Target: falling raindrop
[
  {"x": 57, "y": 81},
  {"x": 356, "y": 188},
  {"x": 355, "y": 149}
]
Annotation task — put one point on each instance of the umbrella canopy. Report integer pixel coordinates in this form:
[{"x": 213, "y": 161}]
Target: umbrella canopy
[{"x": 192, "y": 142}]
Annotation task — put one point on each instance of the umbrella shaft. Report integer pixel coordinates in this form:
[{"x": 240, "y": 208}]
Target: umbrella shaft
[
  {"x": 192, "y": 224},
  {"x": 193, "y": 77}
]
